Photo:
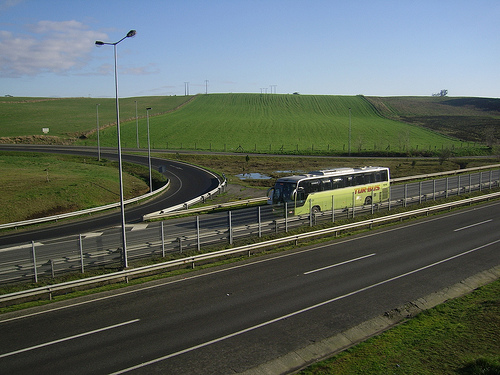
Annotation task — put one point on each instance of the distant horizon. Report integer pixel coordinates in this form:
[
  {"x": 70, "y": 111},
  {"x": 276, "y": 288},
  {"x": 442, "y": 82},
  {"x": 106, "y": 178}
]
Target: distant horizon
[{"x": 244, "y": 93}]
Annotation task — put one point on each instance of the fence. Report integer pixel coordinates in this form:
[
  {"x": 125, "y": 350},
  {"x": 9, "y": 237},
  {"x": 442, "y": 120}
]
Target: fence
[
  {"x": 192, "y": 260},
  {"x": 36, "y": 260}
]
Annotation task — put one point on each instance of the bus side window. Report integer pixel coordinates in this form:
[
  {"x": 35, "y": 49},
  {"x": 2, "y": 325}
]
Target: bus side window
[
  {"x": 369, "y": 178},
  {"x": 349, "y": 181},
  {"x": 383, "y": 175},
  {"x": 360, "y": 179},
  {"x": 338, "y": 182},
  {"x": 314, "y": 186},
  {"x": 326, "y": 184},
  {"x": 377, "y": 177}
]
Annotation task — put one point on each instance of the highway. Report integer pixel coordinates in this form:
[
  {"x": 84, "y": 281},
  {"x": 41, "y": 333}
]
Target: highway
[
  {"x": 186, "y": 182},
  {"x": 233, "y": 318}
]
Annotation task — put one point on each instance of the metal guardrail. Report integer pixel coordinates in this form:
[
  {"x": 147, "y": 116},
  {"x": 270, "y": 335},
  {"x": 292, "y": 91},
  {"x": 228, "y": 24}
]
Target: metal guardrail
[
  {"x": 49, "y": 290},
  {"x": 83, "y": 212},
  {"x": 438, "y": 174},
  {"x": 163, "y": 214}
]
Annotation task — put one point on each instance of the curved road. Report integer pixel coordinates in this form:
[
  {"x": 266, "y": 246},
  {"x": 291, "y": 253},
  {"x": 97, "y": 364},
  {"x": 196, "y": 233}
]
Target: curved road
[
  {"x": 233, "y": 318},
  {"x": 186, "y": 183}
]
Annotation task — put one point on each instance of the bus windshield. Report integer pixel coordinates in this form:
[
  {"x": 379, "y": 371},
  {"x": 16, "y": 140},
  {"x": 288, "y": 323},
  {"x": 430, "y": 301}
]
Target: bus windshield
[{"x": 283, "y": 192}]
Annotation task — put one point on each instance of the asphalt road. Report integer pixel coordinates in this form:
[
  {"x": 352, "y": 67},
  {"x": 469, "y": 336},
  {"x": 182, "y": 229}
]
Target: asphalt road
[
  {"x": 186, "y": 182},
  {"x": 233, "y": 318}
]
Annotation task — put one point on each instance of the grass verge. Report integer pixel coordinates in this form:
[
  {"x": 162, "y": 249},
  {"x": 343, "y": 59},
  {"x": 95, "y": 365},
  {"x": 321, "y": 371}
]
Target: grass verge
[{"x": 457, "y": 337}]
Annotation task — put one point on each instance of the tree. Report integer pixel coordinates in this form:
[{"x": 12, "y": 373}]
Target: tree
[{"x": 441, "y": 93}]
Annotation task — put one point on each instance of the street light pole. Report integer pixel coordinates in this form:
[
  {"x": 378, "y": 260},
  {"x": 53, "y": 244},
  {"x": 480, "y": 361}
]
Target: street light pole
[
  {"x": 130, "y": 34},
  {"x": 98, "y": 142},
  {"x": 149, "y": 154}
]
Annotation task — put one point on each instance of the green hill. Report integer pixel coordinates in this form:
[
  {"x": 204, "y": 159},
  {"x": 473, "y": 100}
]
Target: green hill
[
  {"x": 280, "y": 124},
  {"x": 298, "y": 124}
]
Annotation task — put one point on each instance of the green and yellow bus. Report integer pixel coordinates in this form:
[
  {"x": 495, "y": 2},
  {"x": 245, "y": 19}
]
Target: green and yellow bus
[{"x": 341, "y": 188}]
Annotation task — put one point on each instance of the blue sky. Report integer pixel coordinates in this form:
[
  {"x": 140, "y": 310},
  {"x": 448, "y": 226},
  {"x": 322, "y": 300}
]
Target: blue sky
[{"x": 330, "y": 47}]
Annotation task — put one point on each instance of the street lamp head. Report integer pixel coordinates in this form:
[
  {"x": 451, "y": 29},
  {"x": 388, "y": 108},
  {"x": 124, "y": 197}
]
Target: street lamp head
[
  {"x": 99, "y": 43},
  {"x": 147, "y": 109},
  {"x": 131, "y": 33}
]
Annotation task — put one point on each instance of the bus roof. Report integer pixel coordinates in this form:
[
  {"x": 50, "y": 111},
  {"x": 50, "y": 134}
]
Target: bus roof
[{"x": 330, "y": 173}]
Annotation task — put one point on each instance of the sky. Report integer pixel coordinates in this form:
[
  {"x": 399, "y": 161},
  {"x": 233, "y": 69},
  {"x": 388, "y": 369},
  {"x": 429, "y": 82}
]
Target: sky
[{"x": 320, "y": 47}]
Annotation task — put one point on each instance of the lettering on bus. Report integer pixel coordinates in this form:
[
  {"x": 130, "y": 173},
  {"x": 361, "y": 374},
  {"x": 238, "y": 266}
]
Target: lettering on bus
[{"x": 367, "y": 189}]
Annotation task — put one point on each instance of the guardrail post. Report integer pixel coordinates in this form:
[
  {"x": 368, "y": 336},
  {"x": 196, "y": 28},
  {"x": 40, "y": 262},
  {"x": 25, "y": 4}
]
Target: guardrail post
[
  {"x": 162, "y": 241},
  {"x": 259, "y": 219},
  {"x": 470, "y": 183},
  {"x": 433, "y": 190},
  {"x": 51, "y": 267},
  {"x": 180, "y": 244},
  {"x": 390, "y": 198},
  {"x": 34, "y": 260},
  {"x": 353, "y": 205},
  {"x": 230, "y": 228},
  {"x": 405, "y": 195},
  {"x": 459, "y": 187},
  {"x": 372, "y": 202},
  {"x": 310, "y": 214},
  {"x": 286, "y": 217},
  {"x": 447, "y": 185},
  {"x": 420, "y": 192},
  {"x": 80, "y": 245},
  {"x": 198, "y": 232},
  {"x": 333, "y": 209}
]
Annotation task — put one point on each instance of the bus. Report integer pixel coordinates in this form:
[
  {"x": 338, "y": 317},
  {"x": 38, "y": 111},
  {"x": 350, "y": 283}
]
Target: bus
[{"x": 341, "y": 188}]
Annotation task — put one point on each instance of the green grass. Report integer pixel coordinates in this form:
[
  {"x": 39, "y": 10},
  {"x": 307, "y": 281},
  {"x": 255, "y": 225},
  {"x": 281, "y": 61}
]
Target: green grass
[
  {"x": 70, "y": 117},
  {"x": 38, "y": 185},
  {"x": 279, "y": 123},
  {"x": 458, "y": 337}
]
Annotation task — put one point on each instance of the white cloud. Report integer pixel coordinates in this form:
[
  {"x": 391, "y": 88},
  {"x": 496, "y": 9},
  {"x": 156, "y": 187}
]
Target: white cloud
[{"x": 51, "y": 46}]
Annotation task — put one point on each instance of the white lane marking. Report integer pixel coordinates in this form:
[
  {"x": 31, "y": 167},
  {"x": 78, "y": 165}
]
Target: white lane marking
[
  {"x": 68, "y": 338},
  {"x": 92, "y": 234},
  {"x": 234, "y": 334},
  {"x": 339, "y": 264},
  {"x": 473, "y": 225},
  {"x": 137, "y": 226},
  {"x": 19, "y": 247}
]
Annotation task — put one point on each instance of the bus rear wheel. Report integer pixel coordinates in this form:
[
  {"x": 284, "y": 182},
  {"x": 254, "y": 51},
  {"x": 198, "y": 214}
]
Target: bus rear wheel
[{"x": 316, "y": 209}]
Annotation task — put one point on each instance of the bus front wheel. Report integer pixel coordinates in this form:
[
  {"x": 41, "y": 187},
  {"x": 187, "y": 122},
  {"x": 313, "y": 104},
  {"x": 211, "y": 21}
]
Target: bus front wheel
[{"x": 368, "y": 201}]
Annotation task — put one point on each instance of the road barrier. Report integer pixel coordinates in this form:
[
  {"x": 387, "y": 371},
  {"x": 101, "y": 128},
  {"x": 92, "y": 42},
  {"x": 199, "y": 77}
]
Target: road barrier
[
  {"x": 50, "y": 290},
  {"x": 83, "y": 212}
]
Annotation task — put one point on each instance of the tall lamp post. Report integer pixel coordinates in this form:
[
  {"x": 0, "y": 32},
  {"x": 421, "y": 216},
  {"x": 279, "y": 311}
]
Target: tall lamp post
[
  {"x": 130, "y": 34},
  {"x": 149, "y": 153},
  {"x": 98, "y": 142}
]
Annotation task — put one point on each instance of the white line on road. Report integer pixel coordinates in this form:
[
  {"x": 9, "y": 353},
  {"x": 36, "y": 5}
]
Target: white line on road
[
  {"x": 473, "y": 225},
  {"x": 26, "y": 246},
  {"x": 252, "y": 328},
  {"x": 68, "y": 338},
  {"x": 339, "y": 264}
]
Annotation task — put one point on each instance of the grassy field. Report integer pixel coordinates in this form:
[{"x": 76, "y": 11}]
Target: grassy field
[
  {"x": 35, "y": 185},
  {"x": 458, "y": 337},
  {"x": 290, "y": 124},
  {"x": 68, "y": 118},
  {"x": 300, "y": 124}
]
